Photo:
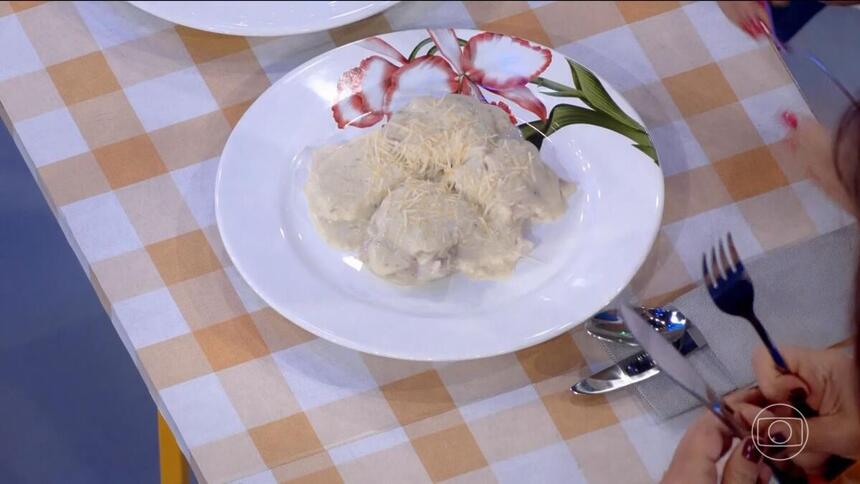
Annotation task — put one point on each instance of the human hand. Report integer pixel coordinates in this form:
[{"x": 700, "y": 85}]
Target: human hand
[
  {"x": 750, "y": 17},
  {"x": 708, "y": 440},
  {"x": 811, "y": 144},
  {"x": 827, "y": 380}
]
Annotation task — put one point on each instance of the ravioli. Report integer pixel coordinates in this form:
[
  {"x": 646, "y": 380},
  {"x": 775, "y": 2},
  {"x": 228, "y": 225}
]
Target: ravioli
[{"x": 447, "y": 185}]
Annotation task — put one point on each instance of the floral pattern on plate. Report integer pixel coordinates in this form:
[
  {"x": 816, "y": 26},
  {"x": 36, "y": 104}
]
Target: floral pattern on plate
[{"x": 492, "y": 67}]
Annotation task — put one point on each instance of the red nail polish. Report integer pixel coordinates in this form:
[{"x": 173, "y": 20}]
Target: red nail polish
[
  {"x": 790, "y": 119},
  {"x": 749, "y": 452}
]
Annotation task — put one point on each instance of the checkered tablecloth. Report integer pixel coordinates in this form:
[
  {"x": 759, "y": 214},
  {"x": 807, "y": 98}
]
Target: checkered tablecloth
[{"x": 123, "y": 117}]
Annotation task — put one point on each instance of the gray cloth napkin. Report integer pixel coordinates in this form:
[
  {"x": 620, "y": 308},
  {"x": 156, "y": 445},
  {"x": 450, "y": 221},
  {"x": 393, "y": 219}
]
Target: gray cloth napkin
[{"x": 803, "y": 296}]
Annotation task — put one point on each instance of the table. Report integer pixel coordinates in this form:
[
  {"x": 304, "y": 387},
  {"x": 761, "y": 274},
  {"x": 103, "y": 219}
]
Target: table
[{"x": 122, "y": 118}]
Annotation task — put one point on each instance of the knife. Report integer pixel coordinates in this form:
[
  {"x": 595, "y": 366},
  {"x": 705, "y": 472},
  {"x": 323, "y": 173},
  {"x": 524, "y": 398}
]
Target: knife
[
  {"x": 636, "y": 368},
  {"x": 682, "y": 372}
]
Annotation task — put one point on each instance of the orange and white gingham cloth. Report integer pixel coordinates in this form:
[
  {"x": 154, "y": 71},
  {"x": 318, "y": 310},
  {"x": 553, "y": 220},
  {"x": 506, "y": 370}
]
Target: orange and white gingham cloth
[{"x": 123, "y": 117}]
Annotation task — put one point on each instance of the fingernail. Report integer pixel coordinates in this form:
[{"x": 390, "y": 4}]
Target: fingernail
[
  {"x": 797, "y": 395},
  {"x": 790, "y": 119},
  {"x": 756, "y": 26},
  {"x": 750, "y": 452}
]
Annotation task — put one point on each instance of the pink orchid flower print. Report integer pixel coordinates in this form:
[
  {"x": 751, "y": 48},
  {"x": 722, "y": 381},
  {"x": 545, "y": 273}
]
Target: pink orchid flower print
[
  {"x": 495, "y": 69},
  {"x": 495, "y": 63}
]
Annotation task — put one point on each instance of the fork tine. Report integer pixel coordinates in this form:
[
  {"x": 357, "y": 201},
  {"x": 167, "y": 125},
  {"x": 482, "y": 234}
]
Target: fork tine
[
  {"x": 715, "y": 267},
  {"x": 728, "y": 267},
  {"x": 736, "y": 259},
  {"x": 709, "y": 281}
]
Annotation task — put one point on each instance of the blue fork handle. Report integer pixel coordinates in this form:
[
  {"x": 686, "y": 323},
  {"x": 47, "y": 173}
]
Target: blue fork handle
[
  {"x": 777, "y": 357},
  {"x": 771, "y": 348}
]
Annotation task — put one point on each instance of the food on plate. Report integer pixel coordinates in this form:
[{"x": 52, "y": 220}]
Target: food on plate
[
  {"x": 510, "y": 182},
  {"x": 414, "y": 234},
  {"x": 447, "y": 185},
  {"x": 345, "y": 186}
]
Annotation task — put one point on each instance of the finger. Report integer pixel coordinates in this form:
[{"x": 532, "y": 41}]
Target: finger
[
  {"x": 748, "y": 26},
  {"x": 760, "y": 21},
  {"x": 779, "y": 432},
  {"x": 743, "y": 466},
  {"x": 707, "y": 437},
  {"x": 764, "y": 474},
  {"x": 760, "y": 13},
  {"x": 768, "y": 430},
  {"x": 763, "y": 26},
  {"x": 831, "y": 435},
  {"x": 812, "y": 462},
  {"x": 732, "y": 12},
  {"x": 745, "y": 395},
  {"x": 705, "y": 441},
  {"x": 774, "y": 385},
  {"x": 748, "y": 414}
]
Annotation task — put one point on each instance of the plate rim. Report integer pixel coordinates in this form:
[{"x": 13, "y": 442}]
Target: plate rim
[
  {"x": 347, "y": 19},
  {"x": 348, "y": 343}
]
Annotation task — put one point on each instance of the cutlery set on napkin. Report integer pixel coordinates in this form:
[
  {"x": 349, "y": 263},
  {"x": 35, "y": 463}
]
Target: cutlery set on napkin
[
  {"x": 609, "y": 327},
  {"x": 730, "y": 288}
]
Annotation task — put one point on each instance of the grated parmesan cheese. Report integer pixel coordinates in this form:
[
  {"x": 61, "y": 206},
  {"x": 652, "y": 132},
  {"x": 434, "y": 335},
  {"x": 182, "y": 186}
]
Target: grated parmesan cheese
[{"x": 446, "y": 185}]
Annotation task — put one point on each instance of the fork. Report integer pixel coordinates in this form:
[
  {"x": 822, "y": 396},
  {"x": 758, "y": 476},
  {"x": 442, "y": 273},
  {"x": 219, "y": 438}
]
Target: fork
[{"x": 732, "y": 291}]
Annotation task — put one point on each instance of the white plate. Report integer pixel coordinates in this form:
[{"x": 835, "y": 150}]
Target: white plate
[
  {"x": 255, "y": 18},
  {"x": 580, "y": 262}
]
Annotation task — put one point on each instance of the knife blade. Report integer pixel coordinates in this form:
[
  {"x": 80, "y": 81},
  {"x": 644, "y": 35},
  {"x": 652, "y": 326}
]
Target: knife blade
[
  {"x": 669, "y": 359},
  {"x": 635, "y": 368}
]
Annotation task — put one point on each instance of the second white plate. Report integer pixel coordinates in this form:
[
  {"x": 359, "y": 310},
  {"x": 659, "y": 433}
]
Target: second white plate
[{"x": 256, "y": 18}]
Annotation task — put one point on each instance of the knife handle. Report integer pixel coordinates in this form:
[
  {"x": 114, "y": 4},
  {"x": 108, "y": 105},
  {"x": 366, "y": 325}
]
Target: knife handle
[
  {"x": 639, "y": 363},
  {"x": 835, "y": 464}
]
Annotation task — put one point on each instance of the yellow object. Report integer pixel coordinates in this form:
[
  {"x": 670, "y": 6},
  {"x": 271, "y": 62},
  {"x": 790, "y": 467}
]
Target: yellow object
[{"x": 174, "y": 469}]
